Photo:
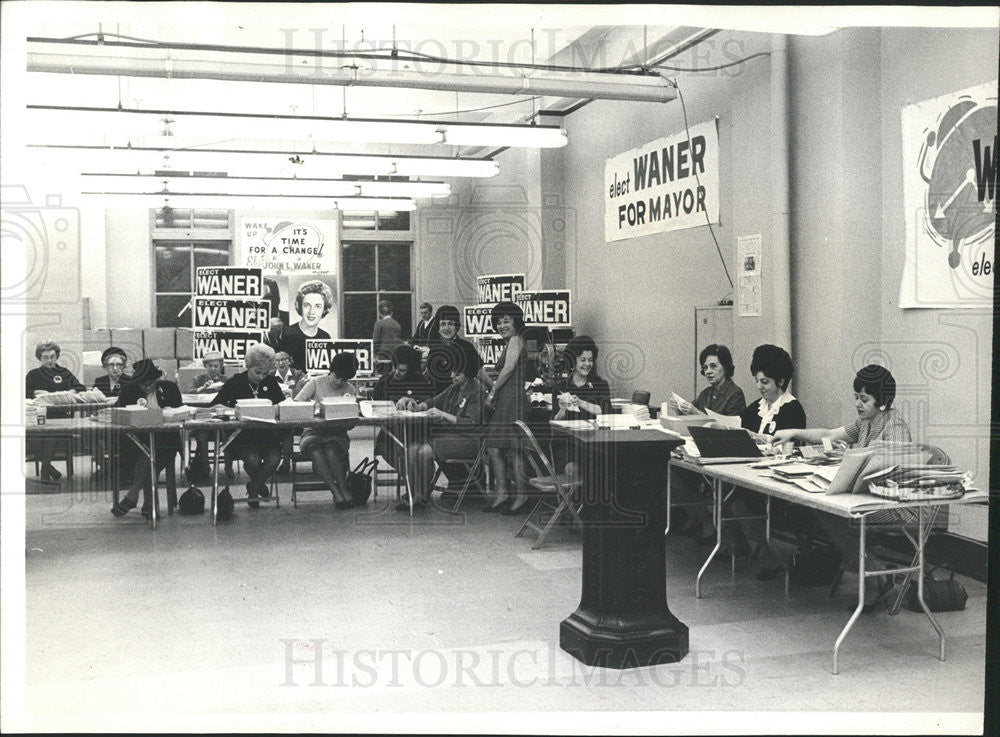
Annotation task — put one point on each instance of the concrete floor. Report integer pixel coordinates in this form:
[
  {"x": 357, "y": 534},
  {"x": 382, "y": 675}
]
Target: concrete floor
[{"x": 317, "y": 619}]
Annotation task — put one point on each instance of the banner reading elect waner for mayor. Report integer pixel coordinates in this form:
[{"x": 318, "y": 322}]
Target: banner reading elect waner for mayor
[{"x": 668, "y": 184}]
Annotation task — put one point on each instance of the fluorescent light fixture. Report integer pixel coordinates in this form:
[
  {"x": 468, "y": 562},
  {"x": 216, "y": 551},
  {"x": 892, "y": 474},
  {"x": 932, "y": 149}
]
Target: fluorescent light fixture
[
  {"x": 229, "y": 201},
  {"x": 149, "y": 127},
  {"x": 270, "y": 187}
]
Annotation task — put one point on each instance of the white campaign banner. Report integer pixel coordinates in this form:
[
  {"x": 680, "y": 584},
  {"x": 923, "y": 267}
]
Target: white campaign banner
[
  {"x": 288, "y": 245},
  {"x": 949, "y": 199},
  {"x": 668, "y": 184}
]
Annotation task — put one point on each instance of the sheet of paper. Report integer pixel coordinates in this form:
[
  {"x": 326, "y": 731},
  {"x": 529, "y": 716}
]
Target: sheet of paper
[
  {"x": 574, "y": 424},
  {"x": 732, "y": 421},
  {"x": 678, "y": 400}
]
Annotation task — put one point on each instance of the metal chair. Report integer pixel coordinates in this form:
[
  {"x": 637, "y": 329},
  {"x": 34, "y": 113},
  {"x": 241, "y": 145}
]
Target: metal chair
[{"x": 550, "y": 484}]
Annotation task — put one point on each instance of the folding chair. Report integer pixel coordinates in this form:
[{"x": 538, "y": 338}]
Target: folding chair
[{"x": 549, "y": 483}]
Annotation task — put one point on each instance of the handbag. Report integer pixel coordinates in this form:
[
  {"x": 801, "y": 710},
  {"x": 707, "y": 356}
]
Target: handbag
[
  {"x": 940, "y": 595},
  {"x": 814, "y": 566},
  {"x": 192, "y": 501},
  {"x": 224, "y": 505},
  {"x": 359, "y": 481}
]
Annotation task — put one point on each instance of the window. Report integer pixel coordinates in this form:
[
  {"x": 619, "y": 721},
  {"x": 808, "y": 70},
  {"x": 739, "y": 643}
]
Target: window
[
  {"x": 374, "y": 271},
  {"x": 376, "y": 220}
]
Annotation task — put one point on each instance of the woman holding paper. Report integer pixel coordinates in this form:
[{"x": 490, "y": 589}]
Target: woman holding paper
[
  {"x": 877, "y": 421},
  {"x": 582, "y": 396},
  {"x": 721, "y": 395},
  {"x": 329, "y": 449}
]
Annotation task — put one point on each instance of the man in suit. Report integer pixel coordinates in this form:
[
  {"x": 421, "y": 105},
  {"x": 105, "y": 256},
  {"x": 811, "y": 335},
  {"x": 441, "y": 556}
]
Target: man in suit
[
  {"x": 422, "y": 332},
  {"x": 275, "y": 333}
]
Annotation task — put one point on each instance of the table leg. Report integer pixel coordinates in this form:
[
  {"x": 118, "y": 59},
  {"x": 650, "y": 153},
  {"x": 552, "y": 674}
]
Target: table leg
[
  {"x": 861, "y": 598},
  {"x": 767, "y": 539},
  {"x": 717, "y": 514},
  {"x": 154, "y": 502},
  {"x": 921, "y": 538},
  {"x": 215, "y": 476},
  {"x": 406, "y": 464}
]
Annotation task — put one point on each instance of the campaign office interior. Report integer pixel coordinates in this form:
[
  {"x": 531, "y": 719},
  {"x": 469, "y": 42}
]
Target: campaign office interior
[{"x": 210, "y": 626}]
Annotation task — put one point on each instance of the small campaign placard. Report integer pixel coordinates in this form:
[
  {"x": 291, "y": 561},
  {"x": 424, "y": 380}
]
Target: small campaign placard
[
  {"x": 319, "y": 353},
  {"x": 229, "y": 281},
  {"x": 231, "y": 343},
  {"x": 492, "y": 288},
  {"x": 490, "y": 348},
  {"x": 477, "y": 321},
  {"x": 231, "y": 314},
  {"x": 545, "y": 308}
]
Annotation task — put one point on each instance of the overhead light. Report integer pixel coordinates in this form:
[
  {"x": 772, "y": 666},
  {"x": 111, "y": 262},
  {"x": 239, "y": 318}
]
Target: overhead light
[
  {"x": 273, "y": 163},
  {"x": 322, "y": 188},
  {"x": 189, "y": 128},
  {"x": 230, "y": 201}
]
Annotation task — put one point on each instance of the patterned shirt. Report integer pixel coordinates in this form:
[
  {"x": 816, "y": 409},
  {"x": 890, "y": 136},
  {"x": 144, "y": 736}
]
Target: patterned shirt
[{"x": 886, "y": 426}]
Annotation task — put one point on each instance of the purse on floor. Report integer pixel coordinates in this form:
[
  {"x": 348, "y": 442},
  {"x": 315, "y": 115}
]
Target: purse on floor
[
  {"x": 224, "y": 505},
  {"x": 940, "y": 595},
  {"x": 192, "y": 501},
  {"x": 360, "y": 480}
]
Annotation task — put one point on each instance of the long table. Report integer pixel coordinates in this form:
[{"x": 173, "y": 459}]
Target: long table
[{"x": 858, "y": 507}]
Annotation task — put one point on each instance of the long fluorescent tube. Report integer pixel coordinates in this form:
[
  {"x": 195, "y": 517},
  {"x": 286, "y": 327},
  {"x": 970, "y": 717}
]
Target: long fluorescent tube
[
  {"x": 228, "y": 201},
  {"x": 243, "y": 162},
  {"x": 138, "y": 184},
  {"x": 111, "y": 127}
]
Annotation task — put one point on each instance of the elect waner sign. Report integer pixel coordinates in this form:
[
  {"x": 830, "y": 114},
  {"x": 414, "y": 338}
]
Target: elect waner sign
[{"x": 669, "y": 184}]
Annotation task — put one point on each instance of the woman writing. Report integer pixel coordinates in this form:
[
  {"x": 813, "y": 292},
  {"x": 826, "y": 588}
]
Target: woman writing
[
  {"x": 509, "y": 402},
  {"x": 329, "y": 447}
]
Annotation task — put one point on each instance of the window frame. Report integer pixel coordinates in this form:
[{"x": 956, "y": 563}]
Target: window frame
[{"x": 374, "y": 237}]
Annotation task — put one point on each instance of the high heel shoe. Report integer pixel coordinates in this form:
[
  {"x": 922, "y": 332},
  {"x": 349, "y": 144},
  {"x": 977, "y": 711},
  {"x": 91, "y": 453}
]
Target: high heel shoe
[
  {"x": 122, "y": 507},
  {"x": 499, "y": 506}
]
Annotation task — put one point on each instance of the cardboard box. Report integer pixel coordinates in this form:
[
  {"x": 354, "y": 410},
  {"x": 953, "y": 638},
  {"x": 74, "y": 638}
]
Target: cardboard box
[
  {"x": 96, "y": 340},
  {"x": 136, "y": 415},
  {"x": 177, "y": 414},
  {"x": 255, "y": 411},
  {"x": 129, "y": 340},
  {"x": 184, "y": 344},
  {"x": 339, "y": 408},
  {"x": 158, "y": 343},
  {"x": 291, "y": 411}
]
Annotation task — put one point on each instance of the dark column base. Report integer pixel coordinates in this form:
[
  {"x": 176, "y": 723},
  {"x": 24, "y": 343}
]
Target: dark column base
[{"x": 625, "y": 646}]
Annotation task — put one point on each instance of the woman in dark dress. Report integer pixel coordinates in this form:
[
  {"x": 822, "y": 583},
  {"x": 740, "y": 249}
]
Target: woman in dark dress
[
  {"x": 49, "y": 377},
  {"x": 146, "y": 388},
  {"x": 582, "y": 396},
  {"x": 114, "y": 361},
  {"x": 509, "y": 401}
]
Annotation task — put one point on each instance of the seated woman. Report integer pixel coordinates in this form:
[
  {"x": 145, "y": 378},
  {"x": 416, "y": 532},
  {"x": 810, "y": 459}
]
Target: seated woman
[
  {"x": 329, "y": 448},
  {"x": 582, "y": 396},
  {"x": 146, "y": 388},
  {"x": 260, "y": 450},
  {"x": 404, "y": 382},
  {"x": 114, "y": 361},
  {"x": 445, "y": 327},
  {"x": 49, "y": 377},
  {"x": 874, "y": 392},
  {"x": 209, "y": 382},
  {"x": 458, "y": 414},
  {"x": 776, "y": 410},
  {"x": 290, "y": 378},
  {"x": 722, "y": 396}
]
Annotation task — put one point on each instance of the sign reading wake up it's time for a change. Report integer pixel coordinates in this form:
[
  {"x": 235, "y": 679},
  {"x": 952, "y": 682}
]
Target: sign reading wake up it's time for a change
[{"x": 668, "y": 184}]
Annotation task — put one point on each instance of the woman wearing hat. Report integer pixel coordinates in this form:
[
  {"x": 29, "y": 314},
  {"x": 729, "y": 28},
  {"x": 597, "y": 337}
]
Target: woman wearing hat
[
  {"x": 509, "y": 404},
  {"x": 215, "y": 374},
  {"x": 114, "y": 361},
  {"x": 329, "y": 448},
  {"x": 147, "y": 388}
]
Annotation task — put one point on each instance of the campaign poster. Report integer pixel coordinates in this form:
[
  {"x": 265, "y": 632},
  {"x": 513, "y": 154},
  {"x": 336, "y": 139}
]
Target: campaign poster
[
  {"x": 545, "y": 307},
  {"x": 477, "y": 319},
  {"x": 236, "y": 282},
  {"x": 314, "y": 302},
  {"x": 231, "y": 314},
  {"x": 668, "y": 184},
  {"x": 949, "y": 199},
  {"x": 232, "y": 344},
  {"x": 319, "y": 353},
  {"x": 490, "y": 348},
  {"x": 288, "y": 245},
  {"x": 493, "y": 288}
]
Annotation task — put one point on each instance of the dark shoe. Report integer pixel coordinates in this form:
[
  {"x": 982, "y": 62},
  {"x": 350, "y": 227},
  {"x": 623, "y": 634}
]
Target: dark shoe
[
  {"x": 230, "y": 474},
  {"x": 403, "y": 505},
  {"x": 252, "y": 497},
  {"x": 511, "y": 510},
  {"x": 767, "y": 573},
  {"x": 499, "y": 507},
  {"x": 146, "y": 511},
  {"x": 122, "y": 507},
  {"x": 264, "y": 491},
  {"x": 284, "y": 468},
  {"x": 49, "y": 473},
  {"x": 348, "y": 504}
]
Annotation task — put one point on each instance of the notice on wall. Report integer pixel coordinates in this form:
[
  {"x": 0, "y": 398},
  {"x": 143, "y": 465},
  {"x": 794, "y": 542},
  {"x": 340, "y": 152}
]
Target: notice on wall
[
  {"x": 545, "y": 308},
  {"x": 232, "y": 314},
  {"x": 232, "y": 344},
  {"x": 668, "y": 184},
  {"x": 493, "y": 288},
  {"x": 949, "y": 199},
  {"x": 749, "y": 270},
  {"x": 477, "y": 321},
  {"x": 490, "y": 348},
  {"x": 229, "y": 281},
  {"x": 319, "y": 354},
  {"x": 288, "y": 245}
]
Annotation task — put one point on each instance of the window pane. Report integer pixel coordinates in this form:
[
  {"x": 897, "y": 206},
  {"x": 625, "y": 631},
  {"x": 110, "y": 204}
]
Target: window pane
[
  {"x": 211, "y": 254},
  {"x": 359, "y": 221},
  {"x": 212, "y": 219},
  {"x": 394, "y": 267},
  {"x": 359, "y": 316},
  {"x": 401, "y": 311},
  {"x": 171, "y": 217},
  {"x": 167, "y": 307},
  {"x": 394, "y": 221},
  {"x": 173, "y": 268},
  {"x": 359, "y": 267}
]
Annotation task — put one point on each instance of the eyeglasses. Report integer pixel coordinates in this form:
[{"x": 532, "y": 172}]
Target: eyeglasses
[{"x": 115, "y": 364}]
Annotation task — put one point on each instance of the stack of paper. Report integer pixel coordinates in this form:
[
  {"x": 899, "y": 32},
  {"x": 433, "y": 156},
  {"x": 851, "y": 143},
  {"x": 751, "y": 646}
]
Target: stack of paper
[
  {"x": 339, "y": 408},
  {"x": 638, "y": 411},
  {"x": 377, "y": 408},
  {"x": 617, "y": 422}
]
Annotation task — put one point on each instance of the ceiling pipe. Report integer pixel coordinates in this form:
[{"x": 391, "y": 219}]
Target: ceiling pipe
[{"x": 156, "y": 62}]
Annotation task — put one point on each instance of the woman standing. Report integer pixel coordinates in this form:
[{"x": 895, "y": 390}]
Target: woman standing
[
  {"x": 313, "y": 302},
  {"x": 509, "y": 404},
  {"x": 329, "y": 449}
]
